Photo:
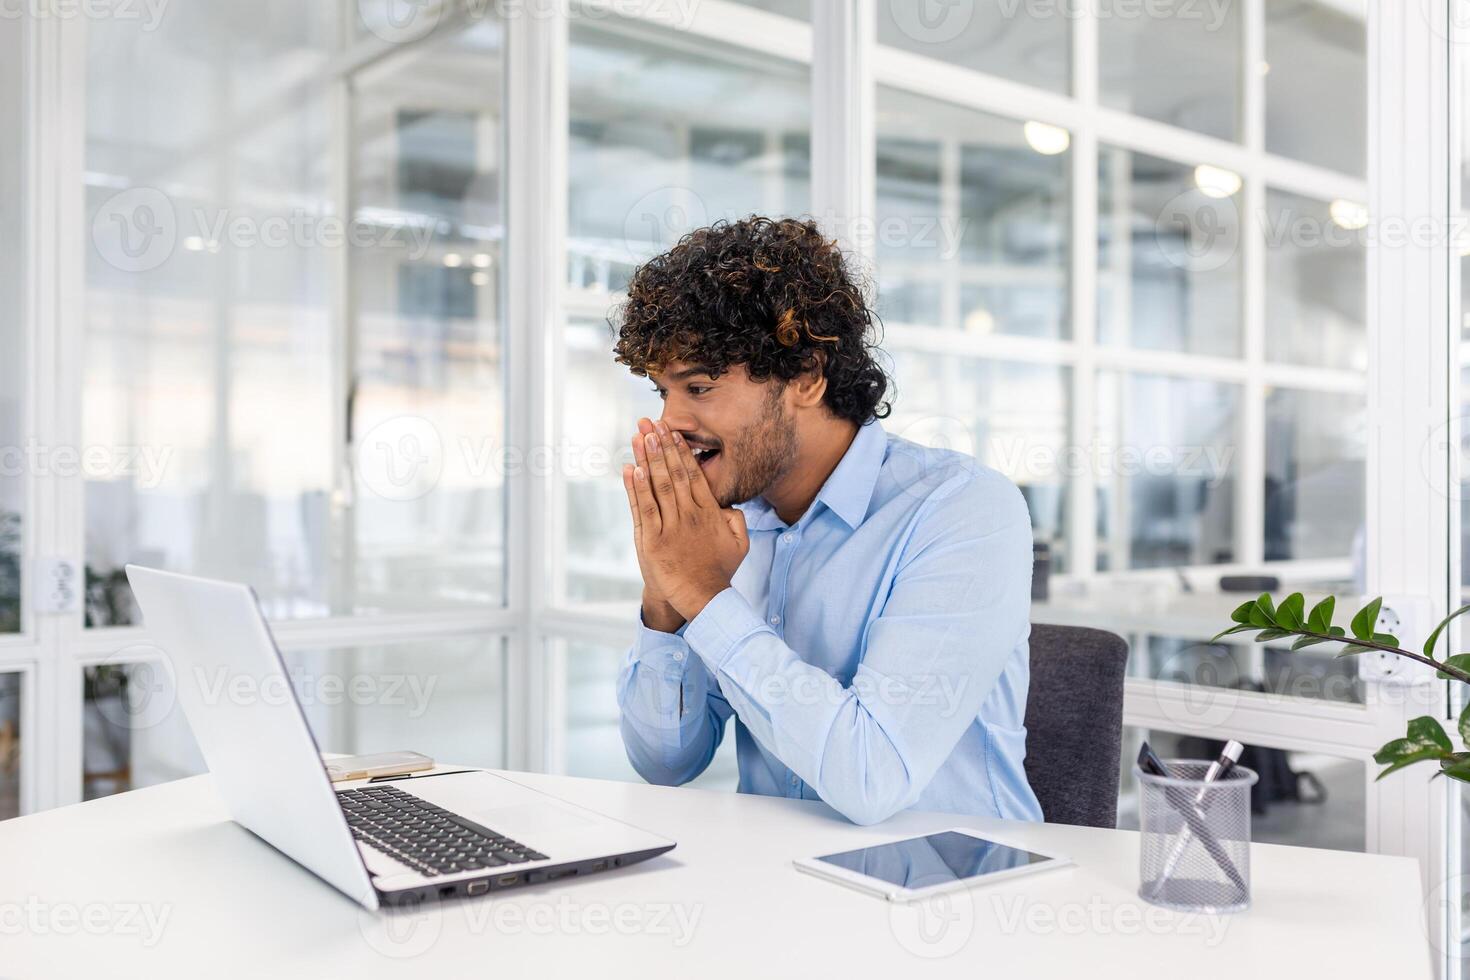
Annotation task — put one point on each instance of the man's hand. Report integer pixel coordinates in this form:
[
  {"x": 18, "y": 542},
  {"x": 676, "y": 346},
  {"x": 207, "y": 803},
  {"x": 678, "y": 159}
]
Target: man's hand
[
  {"x": 688, "y": 547},
  {"x": 658, "y": 614}
]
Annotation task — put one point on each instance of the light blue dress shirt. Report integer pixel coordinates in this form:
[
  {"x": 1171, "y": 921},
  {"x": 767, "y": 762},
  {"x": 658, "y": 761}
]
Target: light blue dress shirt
[{"x": 874, "y": 654}]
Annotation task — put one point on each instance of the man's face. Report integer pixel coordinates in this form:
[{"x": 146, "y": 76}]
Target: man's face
[{"x": 738, "y": 428}]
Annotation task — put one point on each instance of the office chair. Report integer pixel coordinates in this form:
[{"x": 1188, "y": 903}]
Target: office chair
[{"x": 1074, "y": 723}]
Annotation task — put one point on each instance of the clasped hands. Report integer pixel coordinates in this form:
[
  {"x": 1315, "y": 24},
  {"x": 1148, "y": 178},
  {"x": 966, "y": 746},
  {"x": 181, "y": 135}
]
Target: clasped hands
[{"x": 688, "y": 545}]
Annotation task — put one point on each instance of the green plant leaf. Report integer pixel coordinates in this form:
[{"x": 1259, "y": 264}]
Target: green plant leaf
[
  {"x": 1456, "y": 769},
  {"x": 1366, "y": 619},
  {"x": 1428, "y": 730},
  {"x": 1337, "y": 631},
  {"x": 1307, "y": 641},
  {"x": 1353, "y": 648},
  {"x": 1425, "y": 740},
  {"x": 1247, "y": 628},
  {"x": 1320, "y": 621},
  {"x": 1242, "y": 613},
  {"x": 1465, "y": 726},
  {"x": 1387, "y": 639},
  {"x": 1408, "y": 759},
  {"x": 1460, "y": 661},
  {"x": 1262, "y": 613},
  {"x": 1272, "y": 634},
  {"x": 1290, "y": 614},
  {"x": 1434, "y": 637}
]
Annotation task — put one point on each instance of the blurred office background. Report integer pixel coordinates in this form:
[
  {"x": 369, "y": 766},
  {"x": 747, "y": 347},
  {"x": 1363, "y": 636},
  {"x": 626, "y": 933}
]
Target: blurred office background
[{"x": 312, "y": 333}]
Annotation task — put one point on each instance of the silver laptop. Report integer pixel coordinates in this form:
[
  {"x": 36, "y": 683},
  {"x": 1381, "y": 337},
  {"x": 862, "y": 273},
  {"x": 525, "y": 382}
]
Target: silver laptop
[{"x": 390, "y": 842}]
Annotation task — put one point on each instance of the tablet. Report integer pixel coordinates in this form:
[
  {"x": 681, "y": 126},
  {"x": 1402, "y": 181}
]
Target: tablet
[{"x": 907, "y": 870}]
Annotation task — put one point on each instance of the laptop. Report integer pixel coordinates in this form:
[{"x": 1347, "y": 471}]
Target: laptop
[{"x": 394, "y": 842}]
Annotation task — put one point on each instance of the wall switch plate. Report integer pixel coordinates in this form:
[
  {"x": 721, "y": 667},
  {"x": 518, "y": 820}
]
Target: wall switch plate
[
  {"x": 1408, "y": 618},
  {"x": 58, "y": 588}
]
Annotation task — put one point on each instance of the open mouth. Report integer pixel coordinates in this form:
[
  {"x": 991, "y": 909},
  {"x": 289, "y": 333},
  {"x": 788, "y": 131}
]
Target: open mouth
[{"x": 704, "y": 456}]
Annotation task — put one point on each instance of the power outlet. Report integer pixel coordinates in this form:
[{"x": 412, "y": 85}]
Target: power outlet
[
  {"x": 57, "y": 587},
  {"x": 1408, "y": 618}
]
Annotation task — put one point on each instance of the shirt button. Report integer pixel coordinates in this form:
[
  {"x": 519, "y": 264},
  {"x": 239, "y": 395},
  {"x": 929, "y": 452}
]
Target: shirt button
[
  {"x": 678, "y": 656},
  {"x": 794, "y": 780},
  {"x": 785, "y": 539},
  {"x": 775, "y": 620}
]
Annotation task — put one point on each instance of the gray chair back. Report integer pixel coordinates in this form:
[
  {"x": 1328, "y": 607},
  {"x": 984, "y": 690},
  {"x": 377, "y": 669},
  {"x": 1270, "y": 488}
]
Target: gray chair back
[{"x": 1074, "y": 723}]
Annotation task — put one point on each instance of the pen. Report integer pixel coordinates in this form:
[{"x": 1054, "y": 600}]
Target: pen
[{"x": 1229, "y": 756}]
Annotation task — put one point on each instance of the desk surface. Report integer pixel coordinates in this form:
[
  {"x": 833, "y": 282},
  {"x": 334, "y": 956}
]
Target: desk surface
[{"x": 159, "y": 883}]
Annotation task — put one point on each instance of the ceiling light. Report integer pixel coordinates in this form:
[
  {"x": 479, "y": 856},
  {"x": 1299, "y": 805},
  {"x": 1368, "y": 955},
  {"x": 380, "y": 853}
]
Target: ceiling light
[
  {"x": 1216, "y": 181},
  {"x": 1348, "y": 214},
  {"x": 1046, "y": 139},
  {"x": 480, "y": 278},
  {"x": 454, "y": 260},
  {"x": 481, "y": 260},
  {"x": 980, "y": 321}
]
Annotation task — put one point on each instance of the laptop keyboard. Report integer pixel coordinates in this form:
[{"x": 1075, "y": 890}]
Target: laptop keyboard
[{"x": 427, "y": 838}]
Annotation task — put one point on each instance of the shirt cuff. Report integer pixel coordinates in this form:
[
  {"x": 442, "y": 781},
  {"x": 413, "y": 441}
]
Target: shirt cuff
[
  {"x": 721, "y": 627},
  {"x": 666, "y": 653}
]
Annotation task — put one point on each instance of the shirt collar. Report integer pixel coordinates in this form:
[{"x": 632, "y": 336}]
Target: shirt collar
[{"x": 849, "y": 489}]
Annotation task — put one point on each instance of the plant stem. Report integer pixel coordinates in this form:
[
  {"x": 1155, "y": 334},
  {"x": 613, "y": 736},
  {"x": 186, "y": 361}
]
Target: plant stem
[{"x": 1454, "y": 672}]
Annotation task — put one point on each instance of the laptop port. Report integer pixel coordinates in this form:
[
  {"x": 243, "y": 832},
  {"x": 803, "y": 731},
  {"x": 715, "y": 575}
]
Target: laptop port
[
  {"x": 507, "y": 879},
  {"x": 477, "y": 888},
  {"x": 446, "y": 891},
  {"x": 600, "y": 866},
  {"x": 564, "y": 873}
]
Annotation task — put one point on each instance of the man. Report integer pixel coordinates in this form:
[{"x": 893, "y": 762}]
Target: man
[{"x": 859, "y": 603}]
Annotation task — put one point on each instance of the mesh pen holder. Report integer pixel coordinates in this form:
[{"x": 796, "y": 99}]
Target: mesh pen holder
[{"x": 1194, "y": 850}]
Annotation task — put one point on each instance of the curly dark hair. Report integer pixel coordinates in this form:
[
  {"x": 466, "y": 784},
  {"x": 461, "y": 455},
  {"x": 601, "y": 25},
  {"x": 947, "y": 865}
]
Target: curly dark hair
[{"x": 773, "y": 295}]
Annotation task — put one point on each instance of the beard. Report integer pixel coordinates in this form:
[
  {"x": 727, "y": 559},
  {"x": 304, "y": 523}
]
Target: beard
[{"x": 761, "y": 455}]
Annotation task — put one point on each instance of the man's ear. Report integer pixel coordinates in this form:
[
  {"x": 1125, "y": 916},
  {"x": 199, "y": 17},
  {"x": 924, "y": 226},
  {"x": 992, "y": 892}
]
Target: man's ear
[{"x": 809, "y": 387}]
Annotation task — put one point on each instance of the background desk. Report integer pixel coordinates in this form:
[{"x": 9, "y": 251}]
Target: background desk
[{"x": 78, "y": 886}]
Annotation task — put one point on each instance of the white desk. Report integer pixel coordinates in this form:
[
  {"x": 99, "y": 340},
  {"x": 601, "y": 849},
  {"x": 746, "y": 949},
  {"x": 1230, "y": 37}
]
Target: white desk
[{"x": 78, "y": 886}]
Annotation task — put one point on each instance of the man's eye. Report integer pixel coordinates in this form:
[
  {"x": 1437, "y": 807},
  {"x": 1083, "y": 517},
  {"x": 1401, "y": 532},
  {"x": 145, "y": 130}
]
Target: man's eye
[
  {"x": 698, "y": 389},
  {"x": 662, "y": 394}
]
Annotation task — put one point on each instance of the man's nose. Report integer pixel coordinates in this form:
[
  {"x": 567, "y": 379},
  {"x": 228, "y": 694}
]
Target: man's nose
[{"x": 678, "y": 420}]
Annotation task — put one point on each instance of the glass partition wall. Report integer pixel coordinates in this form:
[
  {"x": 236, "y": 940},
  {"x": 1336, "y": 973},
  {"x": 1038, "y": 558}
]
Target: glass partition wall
[{"x": 1125, "y": 255}]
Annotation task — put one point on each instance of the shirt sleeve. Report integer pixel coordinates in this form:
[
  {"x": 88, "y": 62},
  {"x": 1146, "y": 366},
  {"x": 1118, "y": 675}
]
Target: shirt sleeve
[
  {"x": 958, "y": 609},
  {"x": 672, "y": 714}
]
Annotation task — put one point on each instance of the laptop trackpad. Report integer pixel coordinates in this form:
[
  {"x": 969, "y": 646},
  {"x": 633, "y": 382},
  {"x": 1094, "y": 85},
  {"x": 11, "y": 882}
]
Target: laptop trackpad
[{"x": 529, "y": 819}]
